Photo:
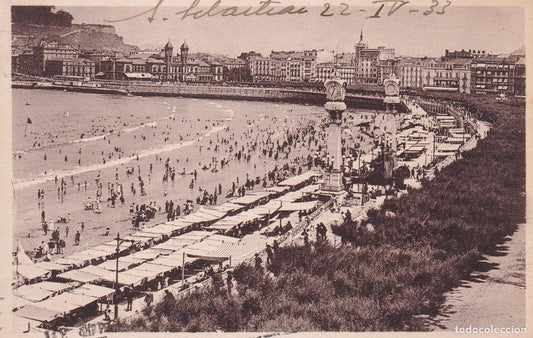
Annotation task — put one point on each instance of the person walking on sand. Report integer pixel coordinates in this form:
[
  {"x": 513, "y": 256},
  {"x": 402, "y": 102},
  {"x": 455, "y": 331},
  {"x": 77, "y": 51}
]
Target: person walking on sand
[{"x": 77, "y": 238}]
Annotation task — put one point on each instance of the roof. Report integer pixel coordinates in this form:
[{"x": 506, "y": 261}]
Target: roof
[
  {"x": 93, "y": 291},
  {"x": 31, "y": 271},
  {"x": 139, "y": 75},
  {"x": 37, "y": 313}
]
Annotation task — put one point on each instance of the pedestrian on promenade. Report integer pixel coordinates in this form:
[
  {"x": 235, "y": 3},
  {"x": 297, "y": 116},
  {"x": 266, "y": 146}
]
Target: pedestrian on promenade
[
  {"x": 258, "y": 261},
  {"x": 270, "y": 254},
  {"x": 305, "y": 234},
  {"x": 129, "y": 298}
]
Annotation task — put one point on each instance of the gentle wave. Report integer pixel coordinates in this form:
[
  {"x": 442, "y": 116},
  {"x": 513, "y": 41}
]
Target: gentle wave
[{"x": 99, "y": 166}]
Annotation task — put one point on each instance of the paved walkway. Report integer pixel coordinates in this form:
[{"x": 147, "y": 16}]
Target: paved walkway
[{"x": 496, "y": 297}]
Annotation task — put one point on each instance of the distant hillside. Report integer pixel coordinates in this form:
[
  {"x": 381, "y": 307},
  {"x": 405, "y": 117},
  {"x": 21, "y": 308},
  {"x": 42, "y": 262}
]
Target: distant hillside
[
  {"x": 85, "y": 36},
  {"x": 519, "y": 51}
]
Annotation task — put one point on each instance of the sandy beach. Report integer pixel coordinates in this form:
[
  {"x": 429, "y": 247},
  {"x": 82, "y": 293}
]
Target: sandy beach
[{"x": 136, "y": 133}]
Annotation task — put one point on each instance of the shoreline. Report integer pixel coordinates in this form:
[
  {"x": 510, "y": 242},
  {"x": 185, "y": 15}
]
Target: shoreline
[{"x": 218, "y": 92}]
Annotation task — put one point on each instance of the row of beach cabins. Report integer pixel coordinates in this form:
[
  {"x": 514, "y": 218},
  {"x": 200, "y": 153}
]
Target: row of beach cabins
[{"x": 70, "y": 289}]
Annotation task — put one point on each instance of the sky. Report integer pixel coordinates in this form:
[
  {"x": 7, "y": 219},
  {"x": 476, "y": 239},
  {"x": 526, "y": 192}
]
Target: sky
[{"x": 497, "y": 30}]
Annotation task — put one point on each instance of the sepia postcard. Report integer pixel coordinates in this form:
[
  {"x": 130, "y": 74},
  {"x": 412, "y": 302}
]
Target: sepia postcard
[{"x": 259, "y": 168}]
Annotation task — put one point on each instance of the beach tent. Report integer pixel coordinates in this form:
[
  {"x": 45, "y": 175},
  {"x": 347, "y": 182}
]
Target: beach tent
[
  {"x": 65, "y": 303},
  {"x": 54, "y": 286},
  {"x": 24, "y": 266},
  {"x": 37, "y": 313},
  {"x": 277, "y": 189},
  {"x": 229, "y": 207},
  {"x": 175, "y": 244},
  {"x": 111, "y": 265},
  {"x": 298, "y": 179},
  {"x": 268, "y": 209},
  {"x": 195, "y": 235},
  {"x": 31, "y": 272},
  {"x": 150, "y": 254},
  {"x": 163, "y": 229},
  {"x": 32, "y": 293},
  {"x": 178, "y": 223},
  {"x": 212, "y": 248},
  {"x": 250, "y": 199},
  {"x": 92, "y": 290},
  {"x": 19, "y": 302},
  {"x": 78, "y": 276},
  {"x": 213, "y": 212},
  {"x": 309, "y": 188},
  {"x": 301, "y": 206},
  {"x": 70, "y": 262},
  {"x": 154, "y": 236},
  {"x": 175, "y": 260},
  {"x": 52, "y": 266}
]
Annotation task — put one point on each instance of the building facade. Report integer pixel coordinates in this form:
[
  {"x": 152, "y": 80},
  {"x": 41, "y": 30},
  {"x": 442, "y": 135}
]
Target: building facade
[
  {"x": 493, "y": 74},
  {"x": 70, "y": 67},
  {"x": 448, "y": 76}
]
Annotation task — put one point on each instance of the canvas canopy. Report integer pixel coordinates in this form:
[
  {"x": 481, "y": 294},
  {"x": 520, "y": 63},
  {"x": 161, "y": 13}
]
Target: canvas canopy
[
  {"x": 209, "y": 217},
  {"x": 138, "y": 239},
  {"x": 151, "y": 235},
  {"x": 37, "y": 313},
  {"x": 131, "y": 260},
  {"x": 277, "y": 189},
  {"x": 65, "y": 302},
  {"x": 51, "y": 266},
  {"x": 298, "y": 179},
  {"x": 267, "y": 209},
  {"x": 112, "y": 265},
  {"x": 30, "y": 271},
  {"x": 32, "y": 293},
  {"x": 194, "y": 219},
  {"x": 89, "y": 254},
  {"x": 301, "y": 206},
  {"x": 19, "y": 302},
  {"x": 163, "y": 229},
  {"x": 178, "y": 224},
  {"x": 70, "y": 262},
  {"x": 250, "y": 198},
  {"x": 175, "y": 260},
  {"x": 75, "y": 299},
  {"x": 79, "y": 276},
  {"x": 99, "y": 272},
  {"x": 148, "y": 254},
  {"x": 309, "y": 188},
  {"x": 53, "y": 286},
  {"x": 174, "y": 244},
  {"x": 92, "y": 290},
  {"x": 229, "y": 207}
]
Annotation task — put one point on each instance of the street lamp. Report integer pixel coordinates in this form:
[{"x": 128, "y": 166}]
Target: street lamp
[{"x": 115, "y": 296}]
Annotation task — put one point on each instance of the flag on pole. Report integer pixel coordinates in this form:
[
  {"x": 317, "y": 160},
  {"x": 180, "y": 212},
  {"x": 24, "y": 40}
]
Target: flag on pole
[{"x": 28, "y": 121}]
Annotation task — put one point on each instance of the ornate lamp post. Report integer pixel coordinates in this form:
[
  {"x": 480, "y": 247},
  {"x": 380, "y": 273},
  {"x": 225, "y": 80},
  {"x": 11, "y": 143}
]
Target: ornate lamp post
[
  {"x": 391, "y": 100},
  {"x": 335, "y": 106}
]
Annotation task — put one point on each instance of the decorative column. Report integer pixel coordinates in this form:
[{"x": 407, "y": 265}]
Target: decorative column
[
  {"x": 335, "y": 92},
  {"x": 391, "y": 100}
]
